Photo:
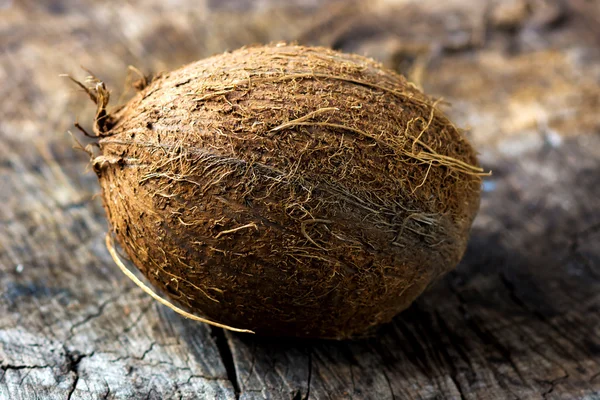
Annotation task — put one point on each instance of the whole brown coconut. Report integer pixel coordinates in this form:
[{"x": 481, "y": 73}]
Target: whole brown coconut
[{"x": 288, "y": 190}]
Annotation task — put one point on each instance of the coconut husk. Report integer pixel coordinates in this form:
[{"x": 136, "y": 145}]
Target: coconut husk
[{"x": 286, "y": 190}]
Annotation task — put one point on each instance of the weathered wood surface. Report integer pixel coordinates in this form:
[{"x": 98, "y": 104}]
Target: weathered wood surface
[{"x": 519, "y": 318}]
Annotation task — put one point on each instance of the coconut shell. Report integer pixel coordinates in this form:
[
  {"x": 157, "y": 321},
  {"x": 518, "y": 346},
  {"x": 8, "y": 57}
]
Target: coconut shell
[{"x": 289, "y": 190}]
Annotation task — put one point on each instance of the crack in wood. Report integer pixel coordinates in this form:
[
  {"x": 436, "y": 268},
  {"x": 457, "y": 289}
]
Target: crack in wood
[
  {"x": 7, "y": 367},
  {"x": 73, "y": 360},
  {"x": 227, "y": 358},
  {"x": 553, "y": 384},
  {"x": 92, "y": 316},
  {"x": 309, "y": 379},
  {"x": 389, "y": 383}
]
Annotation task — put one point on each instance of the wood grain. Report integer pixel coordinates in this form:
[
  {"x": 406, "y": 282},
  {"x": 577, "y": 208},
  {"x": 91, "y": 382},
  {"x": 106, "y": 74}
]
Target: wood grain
[{"x": 518, "y": 319}]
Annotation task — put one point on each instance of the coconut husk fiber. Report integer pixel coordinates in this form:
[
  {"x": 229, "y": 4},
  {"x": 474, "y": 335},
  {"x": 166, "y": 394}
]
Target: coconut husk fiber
[{"x": 287, "y": 190}]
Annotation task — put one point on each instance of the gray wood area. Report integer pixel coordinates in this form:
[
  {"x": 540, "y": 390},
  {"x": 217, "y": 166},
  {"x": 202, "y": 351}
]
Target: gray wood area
[{"x": 518, "y": 319}]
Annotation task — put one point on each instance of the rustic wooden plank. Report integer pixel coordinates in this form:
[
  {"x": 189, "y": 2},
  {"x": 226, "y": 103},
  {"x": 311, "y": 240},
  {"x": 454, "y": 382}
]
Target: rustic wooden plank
[{"x": 519, "y": 318}]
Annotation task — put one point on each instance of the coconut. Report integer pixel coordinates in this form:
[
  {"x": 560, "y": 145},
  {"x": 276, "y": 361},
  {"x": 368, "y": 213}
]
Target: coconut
[{"x": 287, "y": 190}]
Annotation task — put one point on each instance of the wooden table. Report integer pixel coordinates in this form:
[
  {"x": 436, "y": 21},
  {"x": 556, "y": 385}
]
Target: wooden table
[{"x": 519, "y": 318}]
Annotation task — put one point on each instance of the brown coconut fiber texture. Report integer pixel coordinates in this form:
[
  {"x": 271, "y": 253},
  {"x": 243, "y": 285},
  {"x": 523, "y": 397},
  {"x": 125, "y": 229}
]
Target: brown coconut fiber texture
[{"x": 288, "y": 190}]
